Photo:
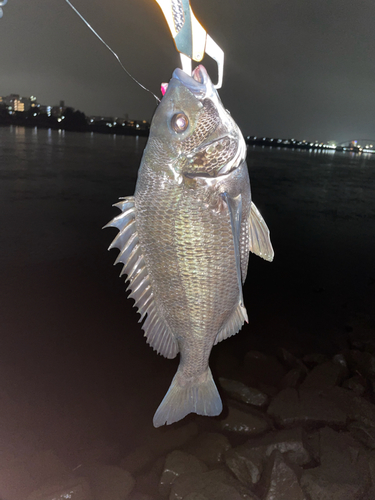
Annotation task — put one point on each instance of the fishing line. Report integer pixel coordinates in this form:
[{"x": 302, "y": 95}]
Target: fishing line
[{"x": 109, "y": 48}]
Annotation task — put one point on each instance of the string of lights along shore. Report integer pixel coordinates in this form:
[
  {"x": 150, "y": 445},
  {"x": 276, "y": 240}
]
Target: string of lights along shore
[{"x": 19, "y": 110}]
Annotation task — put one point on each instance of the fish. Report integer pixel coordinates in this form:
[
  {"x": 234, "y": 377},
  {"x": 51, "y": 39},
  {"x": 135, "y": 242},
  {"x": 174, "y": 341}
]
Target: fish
[{"x": 185, "y": 235}]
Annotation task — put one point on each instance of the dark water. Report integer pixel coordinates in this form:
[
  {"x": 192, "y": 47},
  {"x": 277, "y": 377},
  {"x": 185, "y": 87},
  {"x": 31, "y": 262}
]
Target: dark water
[{"x": 73, "y": 362}]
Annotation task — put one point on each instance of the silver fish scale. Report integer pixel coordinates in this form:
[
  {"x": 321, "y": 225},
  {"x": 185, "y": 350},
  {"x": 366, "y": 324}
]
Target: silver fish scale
[
  {"x": 189, "y": 254},
  {"x": 208, "y": 121}
]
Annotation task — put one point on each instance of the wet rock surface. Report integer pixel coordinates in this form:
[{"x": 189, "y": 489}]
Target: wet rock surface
[
  {"x": 303, "y": 430},
  {"x": 177, "y": 464},
  {"x": 209, "y": 447},
  {"x": 246, "y": 421},
  {"x": 60, "y": 489},
  {"x": 343, "y": 472},
  {"x": 241, "y": 392},
  {"x": 280, "y": 480}
]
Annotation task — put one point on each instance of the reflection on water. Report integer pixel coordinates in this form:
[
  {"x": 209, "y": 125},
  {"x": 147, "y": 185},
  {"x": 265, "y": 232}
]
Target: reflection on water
[
  {"x": 19, "y": 131},
  {"x": 320, "y": 207}
]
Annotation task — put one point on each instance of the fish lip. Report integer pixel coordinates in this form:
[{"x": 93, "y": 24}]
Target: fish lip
[{"x": 197, "y": 83}]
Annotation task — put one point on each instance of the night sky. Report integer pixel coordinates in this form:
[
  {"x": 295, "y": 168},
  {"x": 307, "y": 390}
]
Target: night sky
[{"x": 294, "y": 68}]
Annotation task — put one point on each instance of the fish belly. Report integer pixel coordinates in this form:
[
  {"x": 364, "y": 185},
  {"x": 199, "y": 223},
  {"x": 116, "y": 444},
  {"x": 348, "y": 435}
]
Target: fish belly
[{"x": 189, "y": 253}]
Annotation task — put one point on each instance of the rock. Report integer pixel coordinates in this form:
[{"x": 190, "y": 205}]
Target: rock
[
  {"x": 326, "y": 374},
  {"x": 177, "y": 464},
  {"x": 355, "y": 407},
  {"x": 288, "y": 359},
  {"x": 363, "y": 433},
  {"x": 148, "y": 482},
  {"x": 292, "y": 442},
  {"x": 245, "y": 421},
  {"x": 339, "y": 359},
  {"x": 196, "y": 496},
  {"x": 137, "y": 460},
  {"x": 243, "y": 393},
  {"x": 290, "y": 408},
  {"x": 371, "y": 463},
  {"x": 214, "y": 491},
  {"x": 361, "y": 362},
  {"x": 285, "y": 407},
  {"x": 262, "y": 369},
  {"x": 370, "y": 495},
  {"x": 292, "y": 361},
  {"x": 280, "y": 480},
  {"x": 136, "y": 495},
  {"x": 217, "y": 484},
  {"x": 246, "y": 463},
  {"x": 314, "y": 359},
  {"x": 248, "y": 460},
  {"x": 343, "y": 473},
  {"x": 269, "y": 390},
  {"x": 72, "y": 488},
  {"x": 357, "y": 384},
  {"x": 293, "y": 378},
  {"x": 165, "y": 439},
  {"x": 108, "y": 482},
  {"x": 313, "y": 440},
  {"x": 209, "y": 447},
  {"x": 22, "y": 478}
]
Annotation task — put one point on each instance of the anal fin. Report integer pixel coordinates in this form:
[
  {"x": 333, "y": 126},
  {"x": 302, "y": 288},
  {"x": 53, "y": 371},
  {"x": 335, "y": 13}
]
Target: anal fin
[
  {"x": 233, "y": 325},
  {"x": 157, "y": 331}
]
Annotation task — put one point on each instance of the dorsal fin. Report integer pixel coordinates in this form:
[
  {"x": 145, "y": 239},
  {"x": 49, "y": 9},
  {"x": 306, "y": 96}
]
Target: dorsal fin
[{"x": 157, "y": 331}]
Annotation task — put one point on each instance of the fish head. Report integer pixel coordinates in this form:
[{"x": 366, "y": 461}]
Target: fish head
[{"x": 193, "y": 132}]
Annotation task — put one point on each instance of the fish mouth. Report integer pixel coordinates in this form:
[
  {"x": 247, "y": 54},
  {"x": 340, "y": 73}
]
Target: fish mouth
[{"x": 197, "y": 83}]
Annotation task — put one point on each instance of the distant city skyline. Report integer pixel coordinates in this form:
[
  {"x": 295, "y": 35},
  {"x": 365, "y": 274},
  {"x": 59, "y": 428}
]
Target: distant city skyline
[{"x": 15, "y": 102}]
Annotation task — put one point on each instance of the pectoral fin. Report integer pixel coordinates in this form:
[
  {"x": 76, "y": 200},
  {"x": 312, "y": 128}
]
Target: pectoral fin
[
  {"x": 235, "y": 212},
  {"x": 259, "y": 235}
]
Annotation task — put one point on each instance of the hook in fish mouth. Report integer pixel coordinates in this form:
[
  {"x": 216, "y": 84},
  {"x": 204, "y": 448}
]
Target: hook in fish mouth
[{"x": 197, "y": 83}]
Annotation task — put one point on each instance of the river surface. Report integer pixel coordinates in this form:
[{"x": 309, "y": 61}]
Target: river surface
[{"x": 70, "y": 344}]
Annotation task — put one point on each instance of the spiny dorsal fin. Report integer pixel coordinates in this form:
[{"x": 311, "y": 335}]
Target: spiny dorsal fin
[
  {"x": 259, "y": 235},
  {"x": 157, "y": 331}
]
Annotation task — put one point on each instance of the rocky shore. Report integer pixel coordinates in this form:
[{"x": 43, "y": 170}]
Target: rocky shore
[{"x": 292, "y": 429}]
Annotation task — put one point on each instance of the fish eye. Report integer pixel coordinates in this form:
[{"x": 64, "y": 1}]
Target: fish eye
[{"x": 179, "y": 122}]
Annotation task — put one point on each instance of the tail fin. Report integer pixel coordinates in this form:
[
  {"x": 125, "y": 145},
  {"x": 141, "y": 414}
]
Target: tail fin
[{"x": 197, "y": 396}]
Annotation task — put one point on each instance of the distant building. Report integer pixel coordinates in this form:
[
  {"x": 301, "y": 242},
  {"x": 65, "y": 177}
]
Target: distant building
[
  {"x": 16, "y": 103},
  {"x": 24, "y": 103},
  {"x": 99, "y": 119},
  {"x": 11, "y": 101},
  {"x": 58, "y": 111}
]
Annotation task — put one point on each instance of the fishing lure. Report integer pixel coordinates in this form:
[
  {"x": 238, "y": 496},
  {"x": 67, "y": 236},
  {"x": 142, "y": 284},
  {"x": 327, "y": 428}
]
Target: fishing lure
[
  {"x": 2, "y": 3},
  {"x": 190, "y": 38}
]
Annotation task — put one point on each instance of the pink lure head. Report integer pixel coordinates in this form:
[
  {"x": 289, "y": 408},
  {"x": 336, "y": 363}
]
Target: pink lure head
[{"x": 164, "y": 87}]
